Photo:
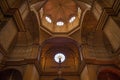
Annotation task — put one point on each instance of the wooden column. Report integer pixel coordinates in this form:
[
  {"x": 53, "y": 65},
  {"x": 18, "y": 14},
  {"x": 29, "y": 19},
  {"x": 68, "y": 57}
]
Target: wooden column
[{"x": 31, "y": 73}]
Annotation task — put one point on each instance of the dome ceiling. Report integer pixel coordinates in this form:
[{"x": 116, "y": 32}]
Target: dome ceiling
[
  {"x": 60, "y": 10},
  {"x": 60, "y": 16}
]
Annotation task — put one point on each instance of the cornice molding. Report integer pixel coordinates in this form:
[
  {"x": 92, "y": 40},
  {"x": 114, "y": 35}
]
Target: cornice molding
[
  {"x": 106, "y": 12},
  {"x": 13, "y": 13}
]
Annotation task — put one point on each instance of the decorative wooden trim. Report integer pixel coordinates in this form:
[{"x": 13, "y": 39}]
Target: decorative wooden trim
[
  {"x": 19, "y": 21},
  {"x": 38, "y": 67},
  {"x": 4, "y": 6},
  {"x": 19, "y": 62},
  {"x": 100, "y": 62},
  {"x": 2, "y": 50},
  {"x": 81, "y": 66},
  {"x": 116, "y": 7},
  {"x": 118, "y": 51},
  {"x": 56, "y": 74}
]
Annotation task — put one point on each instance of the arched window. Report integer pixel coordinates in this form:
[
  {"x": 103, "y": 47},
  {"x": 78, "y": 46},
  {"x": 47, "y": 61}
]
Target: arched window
[
  {"x": 60, "y": 23},
  {"x": 59, "y": 57},
  {"x": 48, "y": 19},
  {"x": 72, "y": 19}
]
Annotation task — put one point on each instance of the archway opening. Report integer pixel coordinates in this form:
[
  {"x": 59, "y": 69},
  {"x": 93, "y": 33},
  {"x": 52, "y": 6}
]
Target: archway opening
[
  {"x": 108, "y": 75},
  {"x": 10, "y": 74}
]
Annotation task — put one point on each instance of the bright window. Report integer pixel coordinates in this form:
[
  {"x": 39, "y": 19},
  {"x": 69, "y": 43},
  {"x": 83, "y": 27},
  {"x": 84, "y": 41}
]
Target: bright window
[
  {"x": 72, "y": 19},
  {"x": 59, "y": 57},
  {"x": 48, "y": 19},
  {"x": 60, "y": 23}
]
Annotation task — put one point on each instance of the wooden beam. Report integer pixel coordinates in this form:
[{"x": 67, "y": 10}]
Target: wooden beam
[
  {"x": 4, "y": 6},
  {"x": 63, "y": 74},
  {"x": 100, "y": 62},
  {"x": 18, "y": 62}
]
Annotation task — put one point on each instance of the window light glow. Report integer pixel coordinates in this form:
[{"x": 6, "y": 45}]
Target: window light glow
[
  {"x": 48, "y": 19},
  {"x": 79, "y": 10},
  {"x": 60, "y": 23},
  {"x": 72, "y": 19},
  {"x": 58, "y": 57},
  {"x": 41, "y": 12}
]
